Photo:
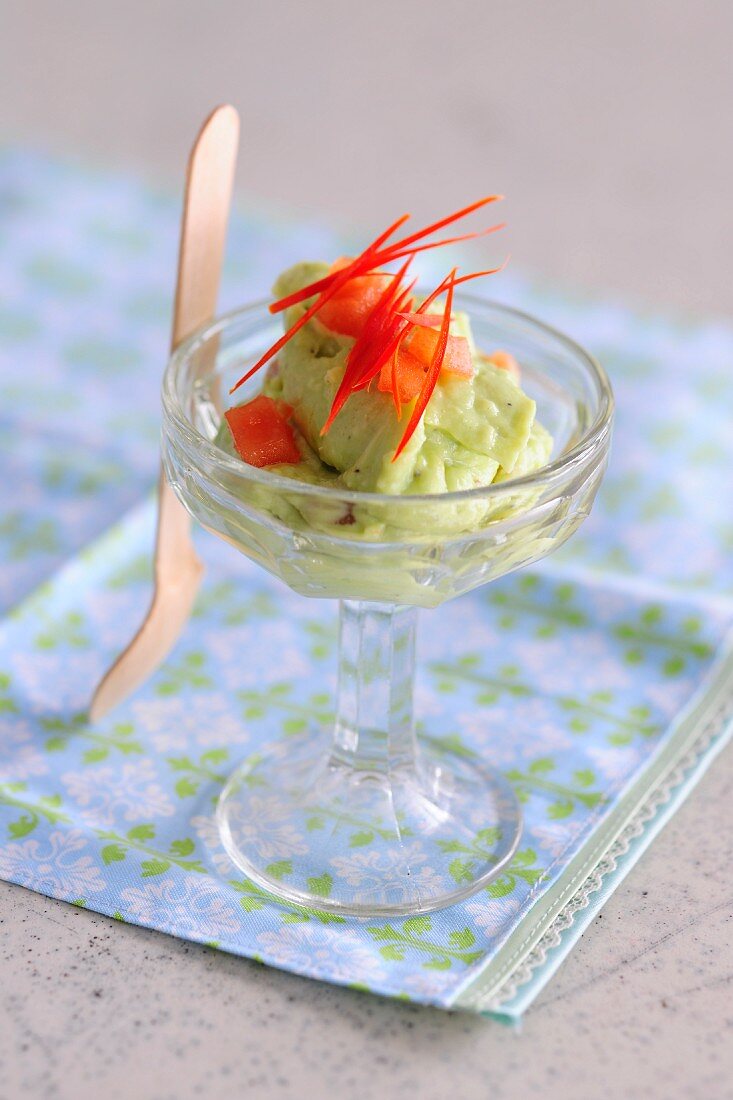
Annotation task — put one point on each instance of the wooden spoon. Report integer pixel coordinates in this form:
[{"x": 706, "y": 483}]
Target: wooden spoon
[{"x": 178, "y": 570}]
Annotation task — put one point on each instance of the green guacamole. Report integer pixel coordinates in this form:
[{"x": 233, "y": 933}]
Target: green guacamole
[{"x": 474, "y": 431}]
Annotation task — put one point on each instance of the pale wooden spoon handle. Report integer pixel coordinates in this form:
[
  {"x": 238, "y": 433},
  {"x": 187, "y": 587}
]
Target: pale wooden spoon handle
[{"x": 178, "y": 571}]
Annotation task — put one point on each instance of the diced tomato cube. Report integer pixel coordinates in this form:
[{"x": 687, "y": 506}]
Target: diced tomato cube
[
  {"x": 410, "y": 375},
  {"x": 346, "y": 312},
  {"x": 457, "y": 353},
  {"x": 261, "y": 432}
]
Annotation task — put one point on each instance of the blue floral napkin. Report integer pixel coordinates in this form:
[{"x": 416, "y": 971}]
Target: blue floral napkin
[{"x": 612, "y": 659}]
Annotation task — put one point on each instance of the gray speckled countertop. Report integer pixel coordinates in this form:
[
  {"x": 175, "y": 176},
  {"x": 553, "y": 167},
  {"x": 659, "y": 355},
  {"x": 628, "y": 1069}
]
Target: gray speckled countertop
[
  {"x": 643, "y": 1007},
  {"x": 605, "y": 124}
]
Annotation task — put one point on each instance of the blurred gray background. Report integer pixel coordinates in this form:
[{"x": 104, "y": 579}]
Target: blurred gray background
[{"x": 607, "y": 125}]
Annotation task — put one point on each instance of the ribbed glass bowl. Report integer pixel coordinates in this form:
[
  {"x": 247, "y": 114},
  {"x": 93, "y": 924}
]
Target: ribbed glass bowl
[{"x": 382, "y": 557}]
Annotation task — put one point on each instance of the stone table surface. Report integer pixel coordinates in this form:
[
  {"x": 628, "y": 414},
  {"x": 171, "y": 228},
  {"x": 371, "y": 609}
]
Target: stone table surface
[{"x": 608, "y": 127}]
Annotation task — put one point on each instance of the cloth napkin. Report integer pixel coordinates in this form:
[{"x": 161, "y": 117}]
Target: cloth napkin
[{"x": 599, "y": 682}]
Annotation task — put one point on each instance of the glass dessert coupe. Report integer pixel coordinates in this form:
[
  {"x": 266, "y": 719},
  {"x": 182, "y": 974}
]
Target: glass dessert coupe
[{"x": 375, "y": 817}]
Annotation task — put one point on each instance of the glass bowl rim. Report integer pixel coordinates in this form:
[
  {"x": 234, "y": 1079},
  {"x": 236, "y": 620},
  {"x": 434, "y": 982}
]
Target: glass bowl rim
[{"x": 541, "y": 478}]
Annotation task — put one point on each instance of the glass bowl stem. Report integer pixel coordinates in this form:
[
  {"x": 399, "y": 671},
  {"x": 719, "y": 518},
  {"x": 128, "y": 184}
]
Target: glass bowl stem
[{"x": 373, "y": 820}]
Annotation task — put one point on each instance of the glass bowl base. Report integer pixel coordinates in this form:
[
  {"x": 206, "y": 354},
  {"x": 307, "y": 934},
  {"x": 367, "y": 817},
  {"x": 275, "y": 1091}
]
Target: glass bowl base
[{"x": 323, "y": 831}]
